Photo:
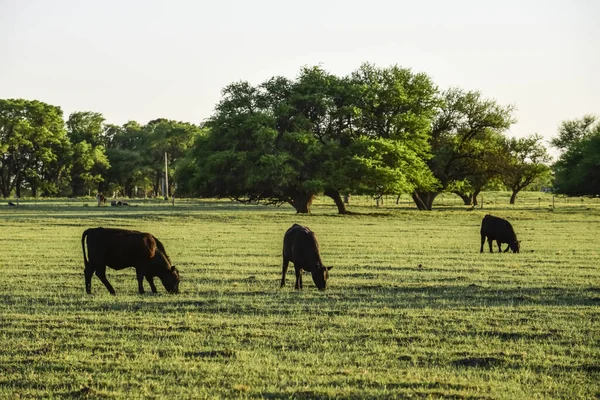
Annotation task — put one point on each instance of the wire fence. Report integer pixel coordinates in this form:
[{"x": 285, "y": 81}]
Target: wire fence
[{"x": 485, "y": 200}]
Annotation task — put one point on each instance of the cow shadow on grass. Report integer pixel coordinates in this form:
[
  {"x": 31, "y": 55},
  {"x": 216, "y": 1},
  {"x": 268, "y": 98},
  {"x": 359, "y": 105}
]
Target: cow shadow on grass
[{"x": 263, "y": 300}]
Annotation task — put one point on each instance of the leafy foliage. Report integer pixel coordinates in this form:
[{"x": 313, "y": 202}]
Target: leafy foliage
[
  {"x": 286, "y": 141},
  {"x": 32, "y": 140},
  {"x": 526, "y": 159},
  {"x": 463, "y": 138},
  {"x": 89, "y": 161},
  {"x": 577, "y": 171}
]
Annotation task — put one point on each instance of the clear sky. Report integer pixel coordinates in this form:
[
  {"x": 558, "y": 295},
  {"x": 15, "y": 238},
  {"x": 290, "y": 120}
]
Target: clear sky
[{"x": 145, "y": 59}]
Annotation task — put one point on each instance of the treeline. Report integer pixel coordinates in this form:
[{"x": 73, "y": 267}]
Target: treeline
[
  {"x": 377, "y": 131},
  {"x": 46, "y": 156}
]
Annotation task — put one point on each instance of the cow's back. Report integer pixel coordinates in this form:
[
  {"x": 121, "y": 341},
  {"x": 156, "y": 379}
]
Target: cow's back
[
  {"x": 301, "y": 247},
  {"x": 497, "y": 229},
  {"x": 119, "y": 248}
]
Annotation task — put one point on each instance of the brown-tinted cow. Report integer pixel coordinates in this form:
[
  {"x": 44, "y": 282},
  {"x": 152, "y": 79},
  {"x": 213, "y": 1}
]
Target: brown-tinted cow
[
  {"x": 119, "y": 249},
  {"x": 301, "y": 247},
  {"x": 500, "y": 230}
]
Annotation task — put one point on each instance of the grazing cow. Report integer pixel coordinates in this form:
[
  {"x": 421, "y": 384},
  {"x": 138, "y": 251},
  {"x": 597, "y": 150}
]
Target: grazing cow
[
  {"x": 301, "y": 247},
  {"x": 119, "y": 249},
  {"x": 500, "y": 230}
]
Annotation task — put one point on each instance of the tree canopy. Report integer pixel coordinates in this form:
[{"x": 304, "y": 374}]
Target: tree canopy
[
  {"x": 376, "y": 131},
  {"x": 526, "y": 159},
  {"x": 464, "y": 132},
  {"x": 577, "y": 171},
  {"x": 285, "y": 141},
  {"x": 32, "y": 138}
]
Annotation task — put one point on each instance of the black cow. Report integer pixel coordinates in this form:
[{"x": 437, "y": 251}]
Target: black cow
[
  {"x": 119, "y": 249},
  {"x": 500, "y": 230},
  {"x": 301, "y": 247}
]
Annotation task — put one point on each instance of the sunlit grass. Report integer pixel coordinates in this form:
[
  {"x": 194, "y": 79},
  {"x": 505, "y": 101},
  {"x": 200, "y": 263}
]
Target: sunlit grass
[{"x": 412, "y": 308}]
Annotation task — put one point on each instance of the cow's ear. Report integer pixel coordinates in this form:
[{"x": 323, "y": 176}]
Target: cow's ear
[{"x": 328, "y": 268}]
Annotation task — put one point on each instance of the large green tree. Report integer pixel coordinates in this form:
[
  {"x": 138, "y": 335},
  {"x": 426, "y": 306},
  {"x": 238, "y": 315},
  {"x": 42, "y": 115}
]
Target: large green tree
[
  {"x": 479, "y": 171},
  {"x": 89, "y": 162},
  {"x": 526, "y": 160},
  {"x": 32, "y": 142},
  {"x": 286, "y": 141},
  {"x": 163, "y": 136},
  {"x": 577, "y": 171},
  {"x": 463, "y": 132},
  {"x": 124, "y": 149}
]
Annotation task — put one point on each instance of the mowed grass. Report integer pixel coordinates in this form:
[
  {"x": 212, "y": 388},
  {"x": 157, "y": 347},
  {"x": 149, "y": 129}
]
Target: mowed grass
[{"x": 412, "y": 308}]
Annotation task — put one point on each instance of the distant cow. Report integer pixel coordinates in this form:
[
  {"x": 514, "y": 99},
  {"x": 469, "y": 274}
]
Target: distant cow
[
  {"x": 119, "y": 249},
  {"x": 500, "y": 230},
  {"x": 301, "y": 247}
]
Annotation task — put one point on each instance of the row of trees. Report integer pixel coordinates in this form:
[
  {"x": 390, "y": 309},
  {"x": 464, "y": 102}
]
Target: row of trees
[
  {"x": 377, "y": 131},
  {"x": 42, "y": 153}
]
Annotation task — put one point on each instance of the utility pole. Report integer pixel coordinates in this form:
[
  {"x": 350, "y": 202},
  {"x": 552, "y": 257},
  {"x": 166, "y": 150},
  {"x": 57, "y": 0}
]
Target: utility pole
[{"x": 166, "y": 190}]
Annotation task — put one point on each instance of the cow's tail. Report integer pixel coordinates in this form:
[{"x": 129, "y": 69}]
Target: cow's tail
[{"x": 85, "y": 260}]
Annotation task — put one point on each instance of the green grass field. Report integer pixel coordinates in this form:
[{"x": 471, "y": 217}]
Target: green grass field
[{"x": 412, "y": 309}]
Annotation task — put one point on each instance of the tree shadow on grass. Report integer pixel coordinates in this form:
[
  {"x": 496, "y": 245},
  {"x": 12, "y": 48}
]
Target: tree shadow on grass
[{"x": 261, "y": 300}]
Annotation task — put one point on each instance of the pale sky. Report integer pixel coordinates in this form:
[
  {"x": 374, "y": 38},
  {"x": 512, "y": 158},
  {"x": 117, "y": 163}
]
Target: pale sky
[{"x": 146, "y": 59}]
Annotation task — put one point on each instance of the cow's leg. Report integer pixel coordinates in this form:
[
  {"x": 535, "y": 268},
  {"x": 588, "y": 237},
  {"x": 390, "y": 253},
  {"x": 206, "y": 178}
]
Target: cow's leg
[
  {"x": 140, "y": 278},
  {"x": 101, "y": 273},
  {"x": 284, "y": 269},
  {"x": 499, "y": 246},
  {"x": 89, "y": 272},
  {"x": 507, "y": 248},
  {"x": 150, "y": 280},
  {"x": 298, "y": 278},
  {"x": 490, "y": 243},
  {"x": 482, "y": 243}
]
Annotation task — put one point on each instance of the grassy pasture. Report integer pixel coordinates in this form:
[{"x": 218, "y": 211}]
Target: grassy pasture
[{"x": 412, "y": 309}]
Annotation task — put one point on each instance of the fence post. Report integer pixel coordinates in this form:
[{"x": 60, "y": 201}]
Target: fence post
[{"x": 552, "y": 202}]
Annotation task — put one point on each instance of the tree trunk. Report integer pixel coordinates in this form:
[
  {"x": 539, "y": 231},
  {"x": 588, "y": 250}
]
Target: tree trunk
[
  {"x": 18, "y": 189},
  {"x": 4, "y": 185},
  {"x": 424, "y": 201},
  {"x": 302, "y": 203},
  {"x": 418, "y": 201},
  {"x": 466, "y": 198},
  {"x": 475, "y": 194},
  {"x": 77, "y": 187},
  {"x": 513, "y": 196},
  {"x": 156, "y": 184},
  {"x": 337, "y": 198}
]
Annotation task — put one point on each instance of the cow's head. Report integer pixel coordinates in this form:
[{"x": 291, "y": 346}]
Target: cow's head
[
  {"x": 171, "y": 279},
  {"x": 320, "y": 276},
  {"x": 515, "y": 246}
]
